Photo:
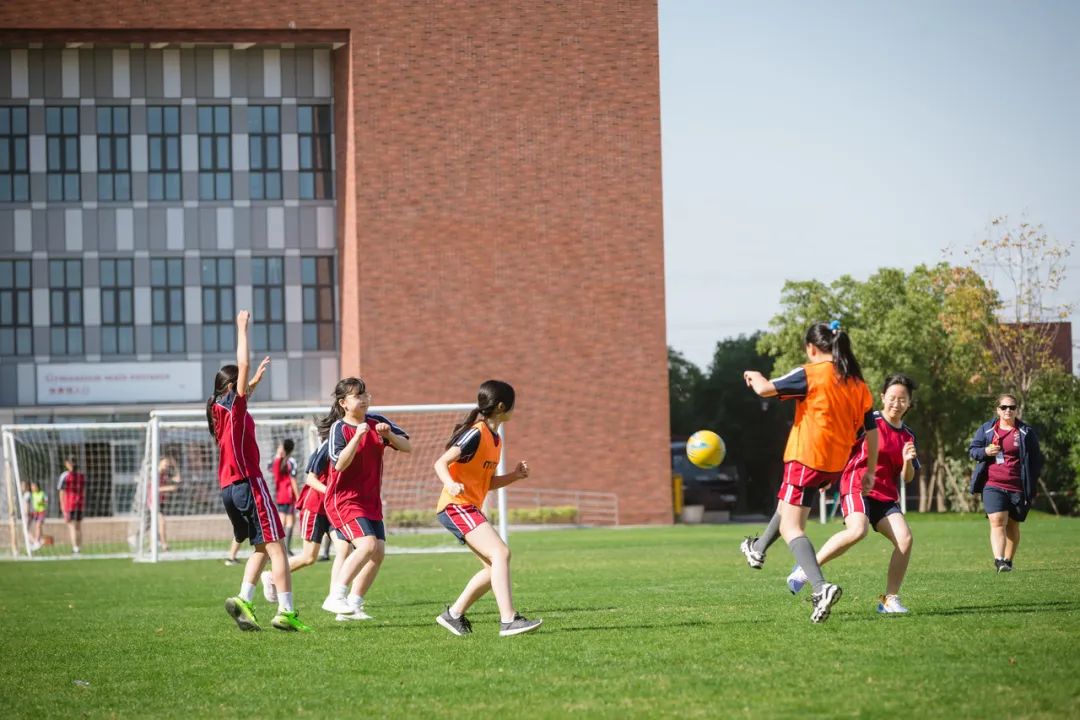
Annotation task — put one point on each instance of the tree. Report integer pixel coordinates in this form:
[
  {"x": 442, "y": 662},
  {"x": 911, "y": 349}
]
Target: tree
[
  {"x": 1053, "y": 409},
  {"x": 684, "y": 381}
]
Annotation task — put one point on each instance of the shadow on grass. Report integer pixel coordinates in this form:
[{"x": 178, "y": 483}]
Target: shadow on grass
[
  {"x": 1004, "y": 608},
  {"x": 629, "y": 626}
]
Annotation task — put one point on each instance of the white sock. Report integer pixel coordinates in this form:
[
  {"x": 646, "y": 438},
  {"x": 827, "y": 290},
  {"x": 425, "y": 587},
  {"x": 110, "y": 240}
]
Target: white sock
[
  {"x": 247, "y": 591},
  {"x": 339, "y": 591},
  {"x": 357, "y": 601},
  {"x": 455, "y": 615},
  {"x": 285, "y": 601}
]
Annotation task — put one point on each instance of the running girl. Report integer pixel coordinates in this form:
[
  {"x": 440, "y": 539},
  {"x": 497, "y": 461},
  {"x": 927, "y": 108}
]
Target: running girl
[
  {"x": 283, "y": 470},
  {"x": 831, "y": 402},
  {"x": 353, "y": 502},
  {"x": 467, "y": 470},
  {"x": 243, "y": 491},
  {"x": 871, "y": 499}
]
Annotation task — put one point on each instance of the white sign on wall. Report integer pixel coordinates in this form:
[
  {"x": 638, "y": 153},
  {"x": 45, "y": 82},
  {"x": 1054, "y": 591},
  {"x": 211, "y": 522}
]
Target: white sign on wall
[{"x": 118, "y": 383}]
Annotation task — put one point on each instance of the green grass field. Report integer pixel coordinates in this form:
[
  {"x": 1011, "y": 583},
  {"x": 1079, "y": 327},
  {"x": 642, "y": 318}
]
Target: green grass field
[{"x": 637, "y": 623}]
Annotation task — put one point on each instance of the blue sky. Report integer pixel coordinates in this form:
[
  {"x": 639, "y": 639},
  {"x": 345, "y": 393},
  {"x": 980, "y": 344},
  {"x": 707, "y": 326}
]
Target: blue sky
[{"x": 815, "y": 139}]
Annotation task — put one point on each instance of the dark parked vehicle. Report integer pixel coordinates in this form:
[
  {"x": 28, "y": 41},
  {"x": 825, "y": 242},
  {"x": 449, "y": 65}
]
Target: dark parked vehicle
[{"x": 716, "y": 489}]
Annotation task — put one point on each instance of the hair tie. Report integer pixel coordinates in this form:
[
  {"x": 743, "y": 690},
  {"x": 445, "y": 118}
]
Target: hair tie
[{"x": 835, "y": 327}]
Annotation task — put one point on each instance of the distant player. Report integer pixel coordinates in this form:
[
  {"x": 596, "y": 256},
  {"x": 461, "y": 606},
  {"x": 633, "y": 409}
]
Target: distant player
[
  {"x": 283, "y": 470},
  {"x": 467, "y": 471},
  {"x": 244, "y": 493},
  {"x": 72, "y": 487},
  {"x": 878, "y": 506},
  {"x": 831, "y": 402},
  {"x": 39, "y": 502},
  {"x": 356, "y": 442},
  {"x": 168, "y": 484}
]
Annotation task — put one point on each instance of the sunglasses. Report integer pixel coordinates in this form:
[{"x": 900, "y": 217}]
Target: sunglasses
[{"x": 1006, "y": 407}]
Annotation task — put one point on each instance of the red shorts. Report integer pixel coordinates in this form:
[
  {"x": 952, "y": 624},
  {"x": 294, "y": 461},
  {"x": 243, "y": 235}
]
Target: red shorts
[
  {"x": 461, "y": 520},
  {"x": 73, "y": 515},
  {"x": 801, "y": 483},
  {"x": 852, "y": 503}
]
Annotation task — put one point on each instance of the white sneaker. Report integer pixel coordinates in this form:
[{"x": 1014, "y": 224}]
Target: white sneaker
[
  {"x": 269, "y": 591},
  {"x": 356, "y": 614},
  {"x": 823, "y": 602},
  {"x": 339, "y": 606},
  {"x": 889, "y": 604},
  {"x": 753, "y": 558},
  {"x": 797, "y": 580}
]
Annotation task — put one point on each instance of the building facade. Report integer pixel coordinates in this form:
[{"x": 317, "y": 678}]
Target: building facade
[{"x": 427, "y": 194}]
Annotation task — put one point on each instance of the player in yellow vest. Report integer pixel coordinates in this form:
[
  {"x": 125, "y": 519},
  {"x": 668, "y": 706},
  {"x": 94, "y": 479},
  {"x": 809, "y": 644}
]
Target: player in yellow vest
[
  {"x": 832, "y": 403},
  {"x": 467, "y": 470}
]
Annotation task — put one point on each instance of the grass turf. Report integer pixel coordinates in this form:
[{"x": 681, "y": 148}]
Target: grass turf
[{"x": 638, "y": 622}]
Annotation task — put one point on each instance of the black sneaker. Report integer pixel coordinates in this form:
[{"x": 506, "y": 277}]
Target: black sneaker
[
  {"x": 460, "y": 626},
  {"x": 231, "y": 561},
  {"x": 518, "y": 625},
  {"x": 1003, "y": 565},
  {"x": 823, "y": 602}
]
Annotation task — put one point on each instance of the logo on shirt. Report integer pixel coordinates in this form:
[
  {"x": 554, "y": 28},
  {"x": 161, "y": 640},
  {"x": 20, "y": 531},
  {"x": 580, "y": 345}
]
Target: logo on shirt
[{"x": 488, "y": 464}]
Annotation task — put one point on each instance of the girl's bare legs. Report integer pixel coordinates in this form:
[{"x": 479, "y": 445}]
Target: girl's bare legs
[
  {"x": 365, "y": 547},
  {"x": 342, "y": 549},
  {"x": 486, "y": 543},
  {"x": 475, "y": 589},
  {"x": 362, "y": 583},
  {"x": 308, "y": 555},
  {"x": 856, "y": 526},
  {"x": 998, "y": 521},
  {"x": 254, "y": 566},
  {"x": 896, "y": 529}
]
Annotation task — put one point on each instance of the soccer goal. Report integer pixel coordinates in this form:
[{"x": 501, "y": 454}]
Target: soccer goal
[{"x": 152, "y": 490}]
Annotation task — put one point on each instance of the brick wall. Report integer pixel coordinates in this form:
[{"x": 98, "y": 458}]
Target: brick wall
[{"x": 499, "y": 210}]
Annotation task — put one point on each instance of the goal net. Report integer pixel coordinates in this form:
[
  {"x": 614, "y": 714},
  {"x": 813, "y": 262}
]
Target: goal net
[{"x": 152, "y": 489}]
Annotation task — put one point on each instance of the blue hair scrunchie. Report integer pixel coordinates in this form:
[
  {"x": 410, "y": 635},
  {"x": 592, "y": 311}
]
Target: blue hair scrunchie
[{"x": 834, "y": 326}]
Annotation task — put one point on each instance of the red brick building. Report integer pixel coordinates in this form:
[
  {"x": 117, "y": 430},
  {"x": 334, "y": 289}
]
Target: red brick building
[{"x": 497, "y": 205}]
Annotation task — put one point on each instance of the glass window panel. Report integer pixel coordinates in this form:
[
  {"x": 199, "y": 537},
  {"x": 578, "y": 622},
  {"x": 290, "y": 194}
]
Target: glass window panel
[
  {"x": 104, "y": 159},
  {"x": 122, "y": 187},
  {"x": 7, "y": 341},
  {"x": 254, "y": 118},
  {"x": 225, "y": 271},
  {"x": 52, "y": 121},
  {"x": 158, "y": 303},
  {"x": 22, "y": 188},
  {"x": 307, "y": 186},
  {"x": 157, "y": 272},
  {"x": 305, "y": 145},
  {"x": 104, "y": 187},
  {"x": 74, "y": 307},
  {"x": 159, "y": 339},
  {"x": 255, "y": 186},
  {"x": 307, "y": 271},
  {"x": 172, "y": 186},
  {"x": 176, "y": 305},
  {"x": 275, "y": 270},
  {"x": 176, "y": 271},
  {"x": 273, "y": 186},
  {"x": 20, "y": 150},
  {"x": 23, "y": 341},
  {"x": 326, "y": 303},
  {"x": 311, "y": 337},
  {"x": 108, "y": 340},
  {"x": 277, "y": 337},
  {"x": 74, "y": 273},
  {"x": 71, "y": 153},
  {"x": 258, "y": 271},
  {"x": 206, "y": 186},
  {"x": 71, "y": 120},
  {"x": 53, "y": 146},
  {"x": 324, "y": 265},
  {"x": 259, "y": 299},
  {"x": 121, "y": 153},
  {"x": 258, "y": 337},
  {"x": 224, "y": 159},
  {"x": 223, "y": 186},
  {"x": 18, "y": 121},
  {"x": 155, "y": 148},
  {"x": 56, "y": 341},
  {"x": 226, "y": 301},
  {"x": 172, "y": 153},
  {"x": 206, "y": 120},
  {"x": 75, "y": 340},
  {"x": 153, "y": 120},
  {"x": 273, "y": 153},
  {"x": 5, "y": 121},
  {"x": 22, "y": 308},
  {"x": 120, "y": 120},
  {"x": 309, "y": 304},
  {"x": 326, "y": 335},
  {"x": 71, "y": 186},
  {"x": 5, "y": 156},
  {"x": 209, "y": 305},
  {"x": 126, "y": 340},
  {"x": 273, "y": 119},
  {"x": 124, "y": 275},
  {"x": 209, "y": 336},
  {"x": 276, "y": 306},
  {"x": 7, "y": 308},
  {"x": 226, "y": 335},
  {"x": 7, "y": 274},
  {"x": 206, "y": 153},
  {"x": 5, "y": 188},
  {"x": 56, "y": 273},
  {"x": 108, "y": 307},
  {"x": 221, "y": 119},
  {"x": 104, "y": 120},
  {"x": 176, "y": 338},
  {"x": 22, "y": 273},
  {"x": 108, "y": 273},
  {"x": 156, "y": 186},
  {"x": 172, "y": 120},
  {"x": 126, "y": 314}
]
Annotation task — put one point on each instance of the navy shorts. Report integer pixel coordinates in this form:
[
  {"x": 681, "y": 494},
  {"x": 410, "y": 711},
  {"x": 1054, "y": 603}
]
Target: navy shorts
[
  {"x": 360, "y": 527},
  {"x": 247, "y": 503},
  {"x": 286, "y": 508},
  {"x": 313, "y": 526},
  {"x": 997, "y": 500},
  {"x": 73, "y": 515},
  {"x": 878, "y": 510},
  {"x": 461, "y": 519}
]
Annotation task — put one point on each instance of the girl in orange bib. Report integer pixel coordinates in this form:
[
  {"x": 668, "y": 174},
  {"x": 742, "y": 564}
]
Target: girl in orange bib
[
  {"x": 832, "y": 402},
  {"x": 467, "y": 470}
]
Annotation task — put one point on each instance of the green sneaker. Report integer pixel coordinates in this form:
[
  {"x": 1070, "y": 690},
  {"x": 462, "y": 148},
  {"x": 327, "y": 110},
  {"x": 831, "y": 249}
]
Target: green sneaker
[
  {"x": 243, "y": 613},
  {"x": 289, "y": 621}
]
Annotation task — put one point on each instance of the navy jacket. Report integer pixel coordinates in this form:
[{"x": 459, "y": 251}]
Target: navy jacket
[{"x": 1031, "y": 457}]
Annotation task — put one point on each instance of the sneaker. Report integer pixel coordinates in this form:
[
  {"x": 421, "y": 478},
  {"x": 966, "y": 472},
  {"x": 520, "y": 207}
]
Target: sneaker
[
  {"x": 889, "y": 604},
  {"x": 338, "y": 606},
  {"x": 231, "y": 561},
  {"x": 823, "y": 602},
  {"x": 324, "y": 558},
  {"x": 518, "y": 625},
  {"x": 797, "y": 580},
  {"x": 460, "y": 626},
  {"x": 1003, "y": 565},
  {"x": 1008, "y": 566},
  {"x": 753, "y": 558},
  {"x": 356, "y": 614},
  {"x": 269, "y": 591},
  {"x": 289, "y": 620},
  {"x": 243, "y": 613},
  {"x": 76, "y": 550}
]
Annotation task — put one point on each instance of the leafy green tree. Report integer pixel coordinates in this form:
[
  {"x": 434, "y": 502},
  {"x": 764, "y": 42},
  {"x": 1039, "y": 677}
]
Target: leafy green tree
[
  {"x": 1053, "y": 408},
  {"x": 684, "y": 381}
]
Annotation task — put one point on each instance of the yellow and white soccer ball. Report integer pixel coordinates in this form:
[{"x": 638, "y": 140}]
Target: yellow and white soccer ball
[{"x": 706, "y": 449}]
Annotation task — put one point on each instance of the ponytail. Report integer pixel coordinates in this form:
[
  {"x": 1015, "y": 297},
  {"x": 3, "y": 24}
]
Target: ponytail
[
  {"x": 829, "y": 338},
  {"x": 226, "y": 376},
  {"x": 344, "y": 388},
  {"x": 494, "y": 396}
]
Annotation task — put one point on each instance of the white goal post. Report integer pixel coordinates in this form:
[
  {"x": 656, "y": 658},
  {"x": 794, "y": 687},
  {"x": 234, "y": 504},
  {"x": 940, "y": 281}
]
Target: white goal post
[{"x": 152, "y": 491}]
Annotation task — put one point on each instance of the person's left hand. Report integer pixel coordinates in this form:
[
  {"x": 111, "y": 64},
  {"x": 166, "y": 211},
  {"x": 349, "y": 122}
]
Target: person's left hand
[
  {"x": 909, "y": 451},
  {"x": 383, "y": 429},
  {"x": 521, "y": 471}
]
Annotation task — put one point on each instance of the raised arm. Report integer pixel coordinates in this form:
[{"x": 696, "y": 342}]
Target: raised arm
[
  {"x": 243, "y": 363},
  {"x": 759, "y": 384},
  {"x": 520, "y": 473}
]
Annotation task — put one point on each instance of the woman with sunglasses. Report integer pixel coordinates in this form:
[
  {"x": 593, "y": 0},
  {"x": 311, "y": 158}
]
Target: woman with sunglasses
[{"x": 1008, "y": 462}]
